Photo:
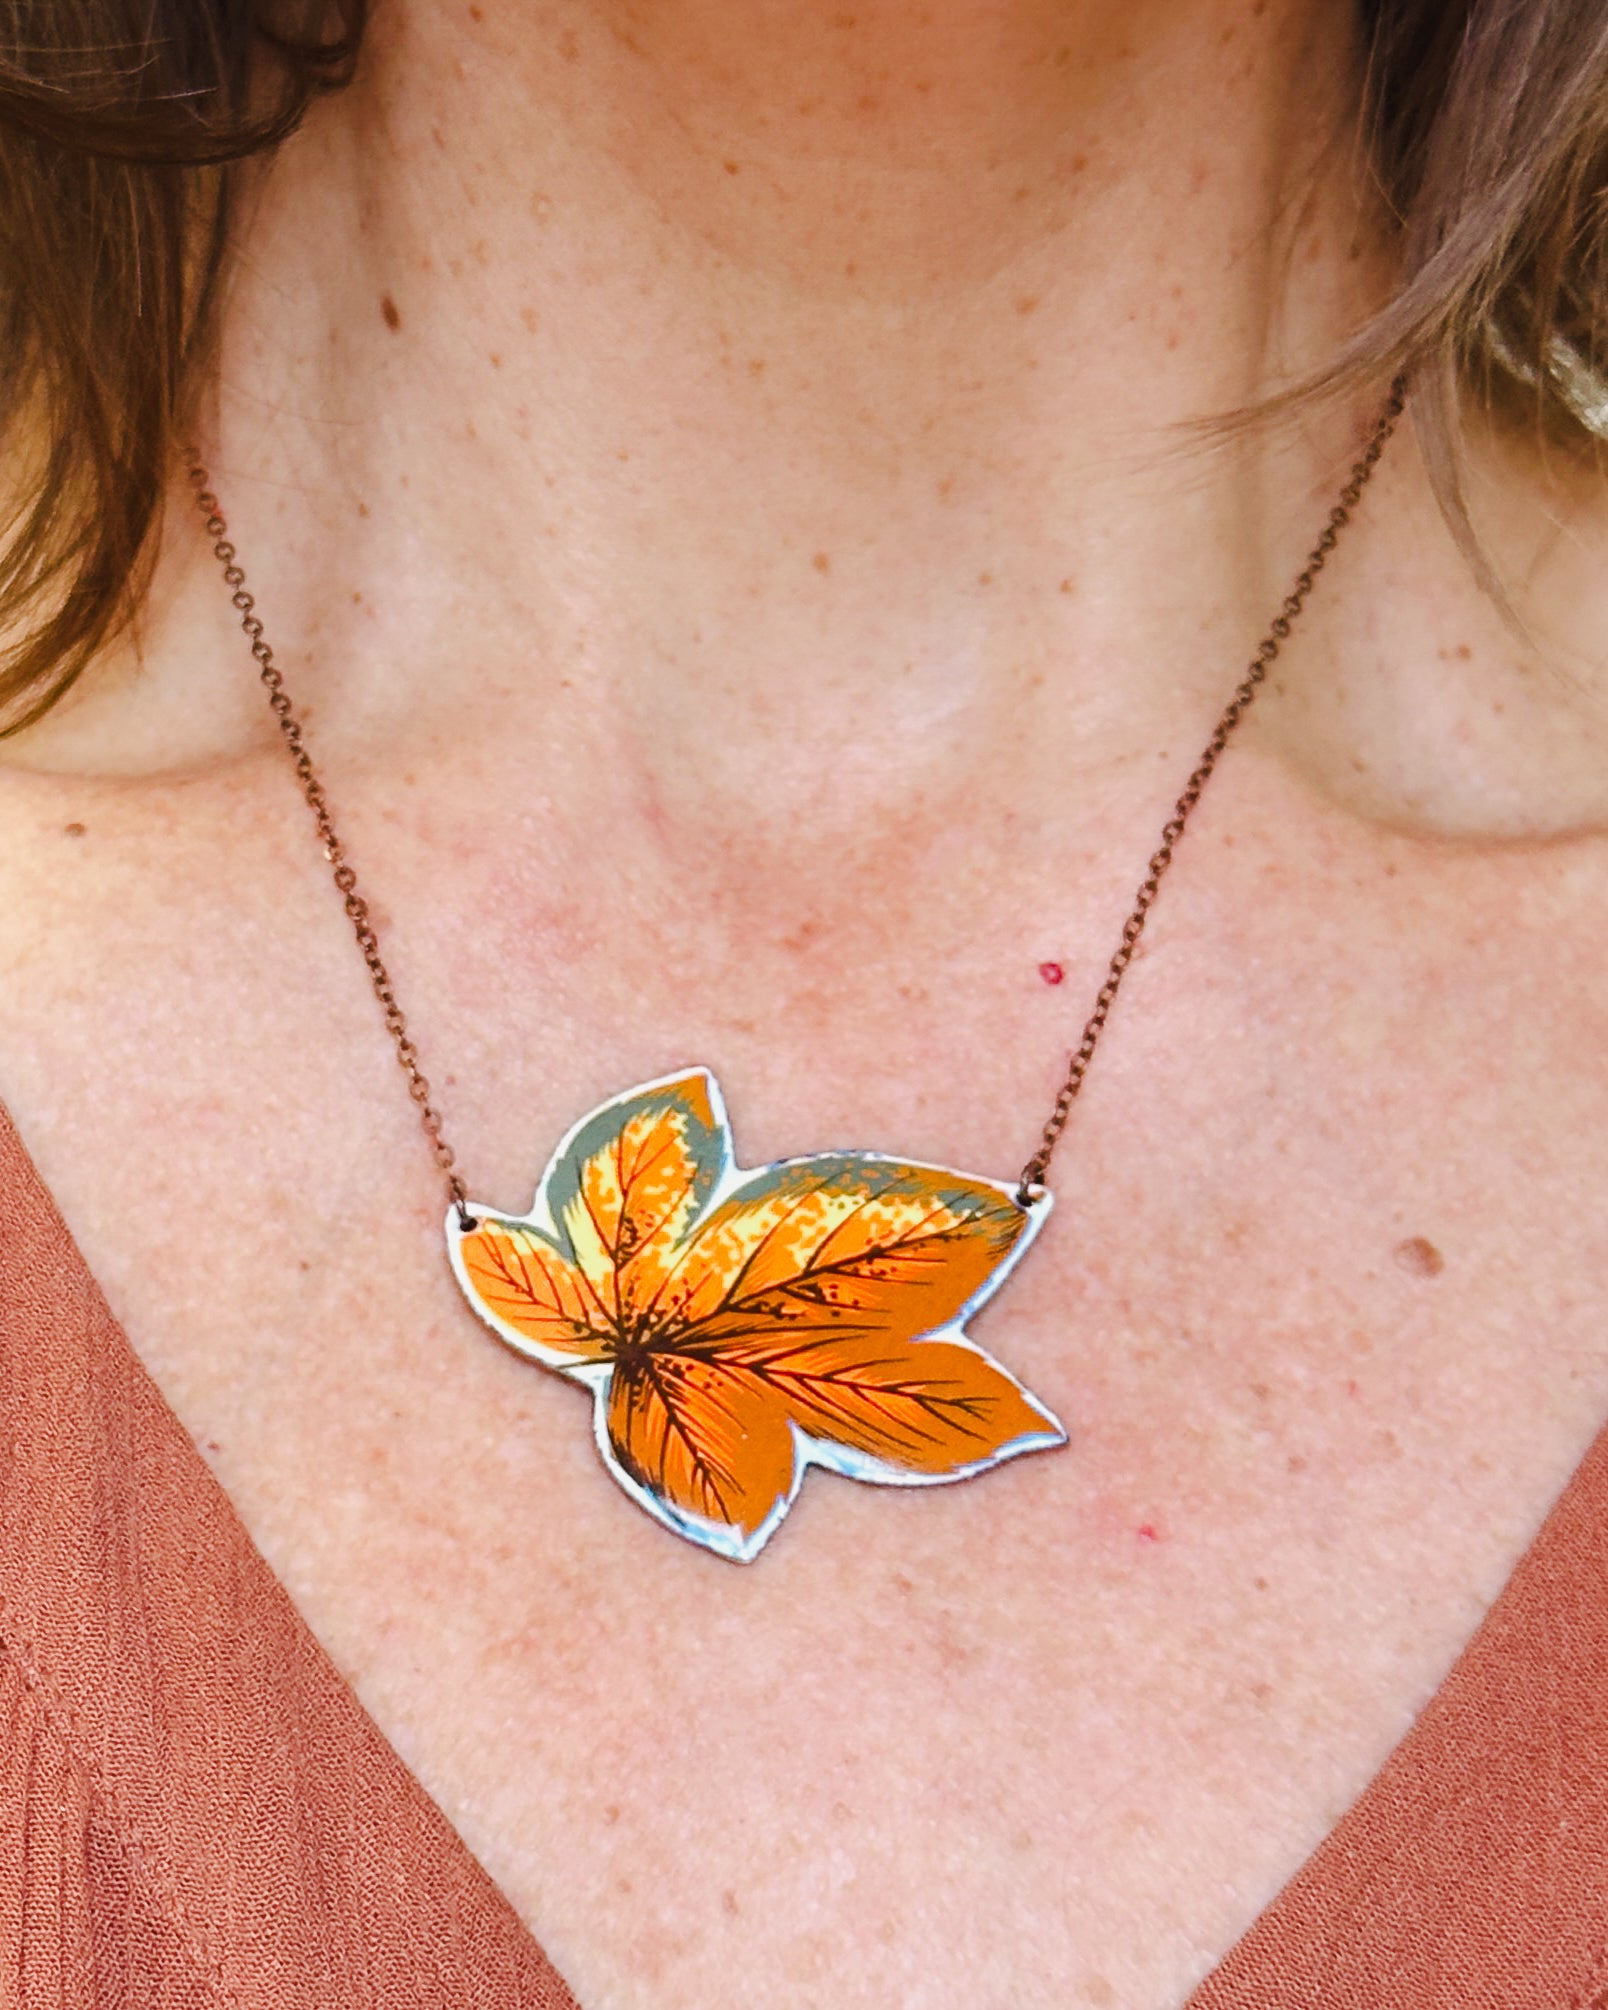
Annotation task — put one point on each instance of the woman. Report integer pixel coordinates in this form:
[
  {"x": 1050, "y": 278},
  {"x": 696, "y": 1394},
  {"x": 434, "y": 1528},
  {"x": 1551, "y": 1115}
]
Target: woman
[{"x": 749, "y": 502}]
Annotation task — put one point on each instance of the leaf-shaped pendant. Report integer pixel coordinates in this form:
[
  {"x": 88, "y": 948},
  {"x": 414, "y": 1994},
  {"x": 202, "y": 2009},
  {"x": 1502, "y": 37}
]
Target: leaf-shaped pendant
[{"x": 738, "y": 1327}]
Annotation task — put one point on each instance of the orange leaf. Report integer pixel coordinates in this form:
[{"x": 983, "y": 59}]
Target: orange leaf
[
  {"x": 922, "y": 1410},
  {"x": 736, "y": 1328},
  {"x": 520, "y": 1281},
  {"x": 709, "y": 1445}
]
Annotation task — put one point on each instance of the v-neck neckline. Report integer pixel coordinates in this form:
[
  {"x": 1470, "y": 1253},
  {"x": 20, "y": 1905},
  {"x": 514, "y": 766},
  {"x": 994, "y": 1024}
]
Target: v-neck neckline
[{"x": 1415, "y": 1870}]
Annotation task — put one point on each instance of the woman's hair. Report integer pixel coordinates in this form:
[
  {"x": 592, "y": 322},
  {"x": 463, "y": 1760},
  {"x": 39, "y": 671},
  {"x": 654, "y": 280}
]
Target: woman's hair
[
  {"x": 122, "y": 127},
  {"x": 123, "y": 124}
]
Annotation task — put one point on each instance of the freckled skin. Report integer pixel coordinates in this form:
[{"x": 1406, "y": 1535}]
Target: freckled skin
[{"x": 638, "y": 783}]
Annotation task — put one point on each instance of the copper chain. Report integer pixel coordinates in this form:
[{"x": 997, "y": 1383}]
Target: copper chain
[
  {"x": 1030, "y": 1186},
  {"x": 357, "y": 913}
]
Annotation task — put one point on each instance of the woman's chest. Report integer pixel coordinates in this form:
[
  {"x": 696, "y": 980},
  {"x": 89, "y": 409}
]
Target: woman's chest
[{"x": 1318, "y": 1306}]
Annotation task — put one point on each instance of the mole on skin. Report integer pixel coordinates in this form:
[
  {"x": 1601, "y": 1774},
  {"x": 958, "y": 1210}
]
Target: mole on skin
[{"x": 1419, "y": 1255}]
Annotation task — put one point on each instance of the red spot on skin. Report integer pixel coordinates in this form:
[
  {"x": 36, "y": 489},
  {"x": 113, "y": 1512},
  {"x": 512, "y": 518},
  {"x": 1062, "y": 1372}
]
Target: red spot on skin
[
  {"x": 1148, "y": 1532},
  {"x": 1052, "y": 973},
  {"x": 1353, "y": 1388}
]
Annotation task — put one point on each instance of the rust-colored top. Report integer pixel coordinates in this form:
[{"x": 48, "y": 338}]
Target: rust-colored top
[{"x": 195, "y": 1810}]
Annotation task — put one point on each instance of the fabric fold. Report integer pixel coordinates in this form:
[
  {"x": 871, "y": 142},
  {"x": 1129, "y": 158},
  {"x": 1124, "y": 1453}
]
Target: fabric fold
[{"x": 194, "y": 1808}]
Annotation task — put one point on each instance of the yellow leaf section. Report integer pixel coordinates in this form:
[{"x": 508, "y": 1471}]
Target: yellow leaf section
[
  {"x": 637, "y": 1195},
  {"x": 844, "y": 1244},
  {"x": 705, "y": 1440},
  {"x": 518, "y": 1277}
]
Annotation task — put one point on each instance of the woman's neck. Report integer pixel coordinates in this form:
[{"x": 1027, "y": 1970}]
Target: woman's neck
[{"x": 775, "y": 380}]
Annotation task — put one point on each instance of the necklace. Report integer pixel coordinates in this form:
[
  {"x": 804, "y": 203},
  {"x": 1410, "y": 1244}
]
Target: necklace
[{"x": 735, "y": 1327}]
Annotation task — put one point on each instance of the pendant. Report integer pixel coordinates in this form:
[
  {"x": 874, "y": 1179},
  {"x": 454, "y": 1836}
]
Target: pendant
[{"x": 736, "y": 1328}]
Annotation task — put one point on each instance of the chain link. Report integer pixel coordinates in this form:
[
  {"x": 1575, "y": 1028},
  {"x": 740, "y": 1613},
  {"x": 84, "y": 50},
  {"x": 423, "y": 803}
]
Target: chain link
[
  {"x": 341, "y": 870},
  {"x": 1030, "y": 1186}
]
